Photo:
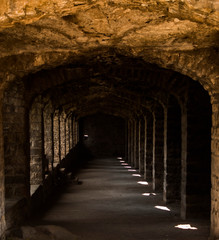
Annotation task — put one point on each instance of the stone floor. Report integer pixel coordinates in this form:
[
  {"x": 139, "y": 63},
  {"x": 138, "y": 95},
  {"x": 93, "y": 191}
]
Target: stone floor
[{"x": 112, "y": 204}]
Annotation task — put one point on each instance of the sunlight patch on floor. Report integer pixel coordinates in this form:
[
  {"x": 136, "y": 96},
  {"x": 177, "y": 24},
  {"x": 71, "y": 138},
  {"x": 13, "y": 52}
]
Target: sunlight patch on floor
[
  {"x": 186, "y": 227},
  {"x": 136, "y": 175},
  {"x": 143, "y": 182},
  {"x": 163, "y": 208},
  {"x": 148, "y": 194}
]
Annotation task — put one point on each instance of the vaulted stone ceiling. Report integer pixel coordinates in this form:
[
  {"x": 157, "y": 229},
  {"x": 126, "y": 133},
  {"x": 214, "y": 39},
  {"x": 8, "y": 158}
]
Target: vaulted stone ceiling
[{"x": 178, "y": 35}]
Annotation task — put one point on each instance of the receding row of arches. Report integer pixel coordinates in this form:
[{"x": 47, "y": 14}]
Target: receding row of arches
[{"x": 166, "y": 119}]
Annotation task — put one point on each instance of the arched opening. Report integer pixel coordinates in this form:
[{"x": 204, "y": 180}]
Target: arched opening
[
  {"x": 103, "y": 135},
  {"x": 155, "y": 112}
]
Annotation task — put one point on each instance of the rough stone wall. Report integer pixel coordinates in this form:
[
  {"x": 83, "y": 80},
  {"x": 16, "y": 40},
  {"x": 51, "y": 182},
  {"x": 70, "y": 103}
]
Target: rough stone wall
[{"x": 16, "y": 142}]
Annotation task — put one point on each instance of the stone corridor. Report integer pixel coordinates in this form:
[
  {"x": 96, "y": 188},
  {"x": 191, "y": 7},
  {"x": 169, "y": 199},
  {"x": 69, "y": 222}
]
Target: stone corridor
[
  {"x": 110, "y": 203},
  {"x": 100, "y": 79}
]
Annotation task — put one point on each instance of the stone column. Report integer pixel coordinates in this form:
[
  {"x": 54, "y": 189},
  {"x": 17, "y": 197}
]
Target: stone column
[
  {"x": 48, "y": 147},
  {"x": 62, "y": 129},
  {"x": 2, "y": 173},
  {"x": 154, "y": 180},
  {"x": 142, "y": 140},
  {"x": 196, "y": 165},
  {"x": 214, "y": 232},
  {"x": 67, "y": 134},
  {"x": 145, "y": 147},
  {"x": 16, "y": 142},
  {"x": 129, "y": 141},
  {"x": 159, "y": 149},
  {"x": 134, "y": 143},
  {"x": 56, "y": 138},
  {"x": 139, "y": 145},
  {"x": 149, "y": 156},
  {"x": 172, "y": 163},
  {"x": 36, "y": 143}
]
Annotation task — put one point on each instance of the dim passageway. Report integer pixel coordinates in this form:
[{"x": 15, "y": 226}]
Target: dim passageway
[{"x": 114, "y": 202}]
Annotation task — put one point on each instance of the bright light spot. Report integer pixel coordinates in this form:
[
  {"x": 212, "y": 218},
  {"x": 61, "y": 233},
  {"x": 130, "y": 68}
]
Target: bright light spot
[
  {"x": 143, "y": 182},
  {"x": 163, "y": 208},
  {"x": 119, "y": 158},
  {"x": 132, "y": 170},
  {"x": 127, "y": 167},
  {"x": 146, "y": 194},
  {"x": 124, "y": 164},
  {"x": 136, "y": 175},
  {"x": 86, "y": 135},
  {"x": 122, "y": 161},
  {"x": 186, "y": 226}
]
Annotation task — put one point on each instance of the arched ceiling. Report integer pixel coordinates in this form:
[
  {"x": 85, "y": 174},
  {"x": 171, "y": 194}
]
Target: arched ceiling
[
  {"x": 125, "y": 88},
  {"x": 178, "y": 35}
]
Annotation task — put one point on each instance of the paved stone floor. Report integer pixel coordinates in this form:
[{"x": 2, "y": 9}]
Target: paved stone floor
[{"x": 110, "y": 204}]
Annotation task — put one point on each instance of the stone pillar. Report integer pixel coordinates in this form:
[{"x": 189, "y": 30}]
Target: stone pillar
[
  {"x": 172, "y": 164},
  {"x": 2, "y": 174},
  {"x": 142, "y": 137},
  {"x": 159, "y": 149},
  {"x": 129, "y": 141},
  {"x": 196, "y": 167},
  {"x": 77, "y": 131},
  {"x": 71, "y": 132},
  {"x": 16, "y": 142},
  {"x": 145, "y": 147},
  {"x": 36, "y": 143},
  {"x": 67, "y": 136},
  {"x": 48, "y": 146},
  {"x": 214, "y": 232},
  {"x": 134, "y": 143},
  {"x": 184, "y": 162},
  {"x": 154, "y": 182},
  {"x": 137, "y": 144},
  {"x": 149, "y": 156},
  {"x": 62, "y": 129},
  {"x": 56, "y": 137}
]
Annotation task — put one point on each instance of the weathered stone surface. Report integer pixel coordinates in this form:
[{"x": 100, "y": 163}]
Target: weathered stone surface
[
  {"x": 47, "y": 232},
  {"x": 116, "y": 57},
  {"x": 36, "y": 35}
]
